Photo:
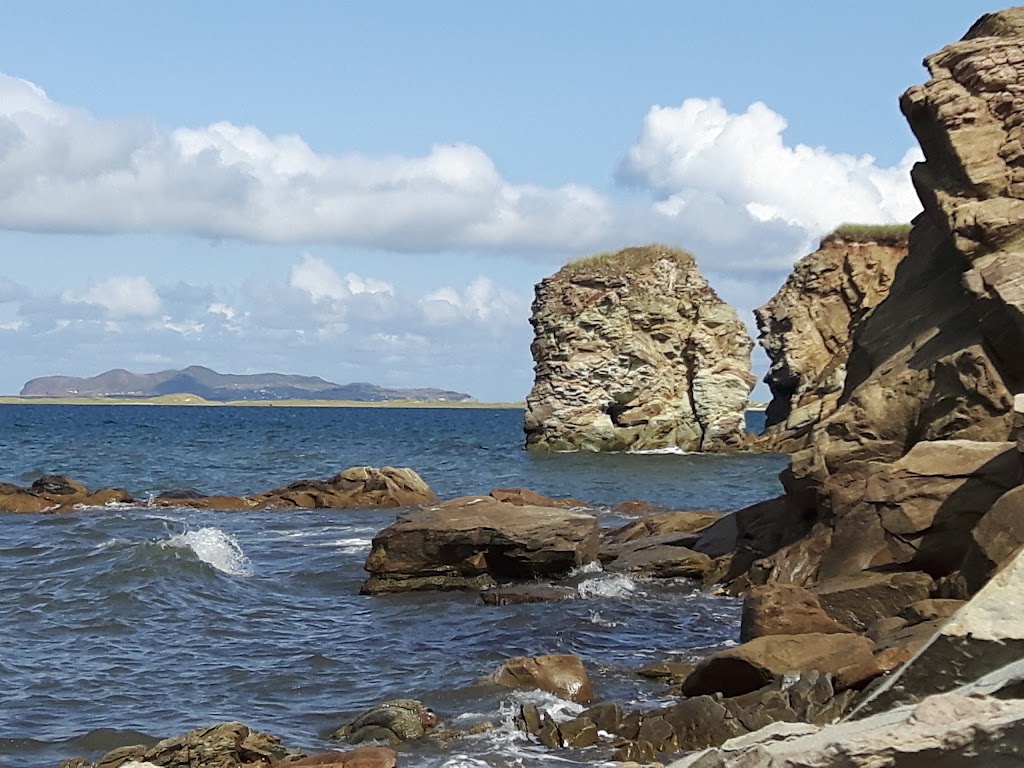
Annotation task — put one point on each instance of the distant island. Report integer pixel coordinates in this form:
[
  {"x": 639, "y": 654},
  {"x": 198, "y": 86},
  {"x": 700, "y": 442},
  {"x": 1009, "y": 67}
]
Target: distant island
[{"x": 226, "y": 387}]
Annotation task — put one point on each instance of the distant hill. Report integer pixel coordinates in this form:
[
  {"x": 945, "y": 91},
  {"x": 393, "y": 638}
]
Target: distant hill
[{"x": 221, "y": 387}]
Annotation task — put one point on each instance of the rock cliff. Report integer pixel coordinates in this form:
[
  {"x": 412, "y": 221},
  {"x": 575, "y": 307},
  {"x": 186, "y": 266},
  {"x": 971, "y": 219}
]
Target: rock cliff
[
  {"x": 635, "y": 351},
  {"x": 807, "y": 327}
]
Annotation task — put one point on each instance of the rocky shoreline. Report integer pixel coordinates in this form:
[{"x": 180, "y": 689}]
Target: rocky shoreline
[{"x": 881, "y": 621}]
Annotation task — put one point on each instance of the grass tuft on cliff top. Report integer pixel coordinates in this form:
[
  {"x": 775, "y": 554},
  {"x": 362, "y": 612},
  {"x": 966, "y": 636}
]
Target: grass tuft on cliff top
[
  {"x": 884, "y": 234},
  {"x": 625, "y": 261}
]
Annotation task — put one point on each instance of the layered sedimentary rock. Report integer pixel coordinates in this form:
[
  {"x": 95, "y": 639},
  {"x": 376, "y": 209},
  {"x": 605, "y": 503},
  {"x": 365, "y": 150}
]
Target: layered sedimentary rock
[
  {"x": 807, "y": 327},
  {"x": 354, "y": 488},
  {"x": 922, "y": 443},
  {"x": 475, "y": 542},
  {"x": 634, "y": 350}
]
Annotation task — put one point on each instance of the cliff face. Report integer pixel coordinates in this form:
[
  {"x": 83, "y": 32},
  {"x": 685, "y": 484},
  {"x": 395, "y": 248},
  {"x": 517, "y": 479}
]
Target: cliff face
[
  {"x": 635, "y": 351},
  {"x": 807, "y": 330},
  {"x": 921, "y": 446}
]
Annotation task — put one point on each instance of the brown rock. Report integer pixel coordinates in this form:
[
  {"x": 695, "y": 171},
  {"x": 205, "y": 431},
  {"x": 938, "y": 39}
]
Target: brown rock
[
  {"x": 661, "y": 562},
  {"x": 857, "y": 601},
  {"x": 996, "y": 538},
  {"x": 659, "y": 523},
  {"x": 930, "y": 610},
  {"x": 520, "y": 594},
  {"x": 857, "y": 676},
  {"x": 224, "y": 745},
  {"x": 667, "y": 671},
  {"x": 635, "y": 351},
  {"x": 354, "y": 488},
  {"x": 474, "y": 543},
  {"x": 784, "y": 609},
  {"x": 807, "y": 330},
  {"x": 759, "y": 662},
  {"x": 362, "y": 757},
  {"x": 522, "y": 497},
  {"x": 561, "y": 674}
]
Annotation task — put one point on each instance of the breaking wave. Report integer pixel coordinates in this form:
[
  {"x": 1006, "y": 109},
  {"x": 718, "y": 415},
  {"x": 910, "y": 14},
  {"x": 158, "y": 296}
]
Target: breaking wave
[{"x": 216, "y": 548}]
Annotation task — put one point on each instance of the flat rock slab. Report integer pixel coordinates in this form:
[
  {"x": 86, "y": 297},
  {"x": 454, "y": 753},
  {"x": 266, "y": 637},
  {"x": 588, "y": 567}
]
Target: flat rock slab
[
  {"x": 762, "y": 661},
  {"x": 477, "y": 542},
  {"x": 858, "y": 601}
]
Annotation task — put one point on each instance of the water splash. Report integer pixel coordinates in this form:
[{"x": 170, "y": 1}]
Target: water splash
[
  {"x": 216, "y": 548},
  {"x": 612, "y": 586}
]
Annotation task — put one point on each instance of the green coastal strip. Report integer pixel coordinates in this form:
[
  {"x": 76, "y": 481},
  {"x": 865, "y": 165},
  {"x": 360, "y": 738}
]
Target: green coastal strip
[{"x": 186, "y": 399}]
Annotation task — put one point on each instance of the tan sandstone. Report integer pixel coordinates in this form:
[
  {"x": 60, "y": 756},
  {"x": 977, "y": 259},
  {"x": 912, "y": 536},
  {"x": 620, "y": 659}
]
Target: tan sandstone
[{"x": 635, "y": 351}]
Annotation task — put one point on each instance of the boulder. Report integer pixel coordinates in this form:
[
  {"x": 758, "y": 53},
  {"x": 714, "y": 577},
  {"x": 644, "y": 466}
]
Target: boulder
[
  {"x": 807, "y": 327},
  {"x": 762, "y": 661},
  {"x": 523, "y": 497},
  {"x": 858, "y": 601},
  {"x": 979, "y": 724},
  {"x": 660, "y": 561},
  {"x": 784, "y": 609},
  {"x": 983, "y": 636},
  {"x": 996, "y": 538},
  {"x": 354, "y": 488},
  {"x": 476, "y": 542},
  {"x": 931, "y": 609},
  {"x": 362, "y": 757},
  {"x": 392, "y": 722},
  {"x": 662, "y": 522},
  {"x": 224, "y": 745},
  {"x": 519, "y": 594},
  {"x": 561, "y": 674},
  {"x": 57, "y": 493},
  {"x": 635, "y": 351}
]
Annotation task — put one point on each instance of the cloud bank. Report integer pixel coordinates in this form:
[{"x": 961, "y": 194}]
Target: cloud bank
[{"x": 725, "y": 185}]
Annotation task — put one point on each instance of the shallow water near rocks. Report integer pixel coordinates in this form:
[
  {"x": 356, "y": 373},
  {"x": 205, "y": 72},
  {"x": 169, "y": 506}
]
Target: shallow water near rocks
[{"x": 123, "y": 624}]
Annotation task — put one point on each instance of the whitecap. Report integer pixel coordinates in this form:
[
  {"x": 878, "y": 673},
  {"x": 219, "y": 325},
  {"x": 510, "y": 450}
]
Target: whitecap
[
  {"x": 594, "y": 566},
  {"x": 216, "y": 548},
  {"x": 352, "y": 546},
  {"x": 598, "y": 619},
  {"x": 610, "y": 586},
  {"x": 668, "y": 450}
]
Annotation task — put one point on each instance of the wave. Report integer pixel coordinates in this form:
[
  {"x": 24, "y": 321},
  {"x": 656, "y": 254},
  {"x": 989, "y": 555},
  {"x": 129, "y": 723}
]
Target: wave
[
  {"x": 610, "y": 586},
  {"x": 216, "y": 548}
]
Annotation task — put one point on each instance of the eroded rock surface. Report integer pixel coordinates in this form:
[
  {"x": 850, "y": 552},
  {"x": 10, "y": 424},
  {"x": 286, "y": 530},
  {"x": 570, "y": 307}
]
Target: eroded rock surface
[
  {"x": 476, "y": 542},
  {"x": 635, "y": 351},
  {"x": 807, "y": 329}
]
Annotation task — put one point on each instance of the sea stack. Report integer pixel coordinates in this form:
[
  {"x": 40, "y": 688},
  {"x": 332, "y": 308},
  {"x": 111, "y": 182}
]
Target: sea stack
[
  {"x": 807, "y": 327},
  {"x": 635, "y": 351}
]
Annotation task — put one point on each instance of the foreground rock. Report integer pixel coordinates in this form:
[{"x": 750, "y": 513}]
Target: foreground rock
[
  {"x": 392, "y": 722},
  {"x": 224, "y": 745},
  {"x": 56, "y": 493},
  {"x": 561, "y": 674},
  {"x": 476, "y": 542},
  {"x": 634, "y": 350},
  {"x": 807, "y": 327},
  {"x": 355, "y": 488},
  {"x": 980, "y": 724}
]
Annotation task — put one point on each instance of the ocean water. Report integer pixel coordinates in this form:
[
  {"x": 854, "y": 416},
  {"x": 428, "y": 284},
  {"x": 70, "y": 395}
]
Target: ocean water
[{"x": 125, "y": 624}]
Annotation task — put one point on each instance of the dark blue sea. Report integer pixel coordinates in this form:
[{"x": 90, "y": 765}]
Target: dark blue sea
[{"x": 125, "y": 624}]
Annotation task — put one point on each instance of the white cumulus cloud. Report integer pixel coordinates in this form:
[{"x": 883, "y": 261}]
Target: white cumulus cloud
[
  {"x": 123, "y": 296},
  {"x": 739, "y": 167},
  {"x": 482, "y": 301},
  {"x": 62, "y": 170}
]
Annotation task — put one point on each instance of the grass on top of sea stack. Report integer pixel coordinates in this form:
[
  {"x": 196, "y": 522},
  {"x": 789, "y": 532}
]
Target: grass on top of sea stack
[
  {"x": 625, "y": 261},
  {"x": 883, "y": 234}
]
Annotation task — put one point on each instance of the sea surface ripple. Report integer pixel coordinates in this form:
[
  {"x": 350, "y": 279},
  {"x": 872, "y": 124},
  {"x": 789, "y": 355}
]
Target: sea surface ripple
[{"x": 125, "y": 624}]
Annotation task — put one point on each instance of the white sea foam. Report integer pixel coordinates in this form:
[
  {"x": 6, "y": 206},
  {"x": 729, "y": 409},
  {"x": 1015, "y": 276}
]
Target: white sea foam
[
  {"x": 215, "y": 548},
  {"x": 610, "y": 586},
  {"x": 594, "y": 566},
  {"x": 668, "y": 450},
  {"x": 352, "y": 546},
  {"x": 601, "y": 621}
]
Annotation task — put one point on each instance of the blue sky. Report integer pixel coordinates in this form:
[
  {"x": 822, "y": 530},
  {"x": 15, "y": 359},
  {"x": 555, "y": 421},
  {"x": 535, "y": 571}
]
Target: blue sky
[{"x": 369, "y": 191}]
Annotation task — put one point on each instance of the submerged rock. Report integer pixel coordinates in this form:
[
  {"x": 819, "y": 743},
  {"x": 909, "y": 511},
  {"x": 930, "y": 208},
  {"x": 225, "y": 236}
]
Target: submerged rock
[
  {"x": 635, "y": 351},
  {"x": 393, "y": 722}
]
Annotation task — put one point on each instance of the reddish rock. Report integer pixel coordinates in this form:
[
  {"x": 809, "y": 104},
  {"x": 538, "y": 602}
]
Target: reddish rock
[
  {"x": 561, "y": 674},
  {"x": 759, "y": 662},
  {"x": 858, "y": 601},
  {"x": 784, "y": 609},
  {"x": 363, "y": 757}
]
